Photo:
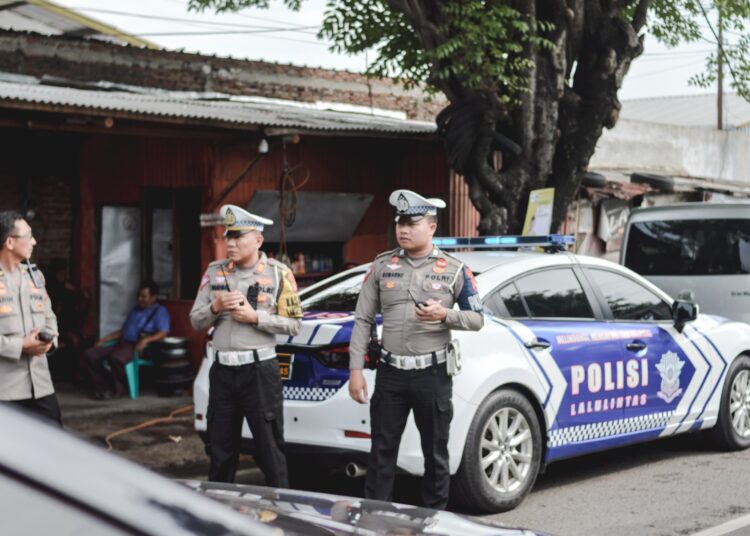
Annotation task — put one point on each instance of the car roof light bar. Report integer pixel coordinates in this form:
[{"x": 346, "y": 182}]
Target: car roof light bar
[{"x": 555, "y": 241}]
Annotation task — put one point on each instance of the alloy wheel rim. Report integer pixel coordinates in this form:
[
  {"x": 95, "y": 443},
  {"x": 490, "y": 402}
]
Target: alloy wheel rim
[
  {"x": 505, "y": 452},
  {"x": 739, "y": 404}
]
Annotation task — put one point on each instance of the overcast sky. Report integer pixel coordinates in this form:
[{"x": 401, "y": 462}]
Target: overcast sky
[{"x": 280, "y": 35}]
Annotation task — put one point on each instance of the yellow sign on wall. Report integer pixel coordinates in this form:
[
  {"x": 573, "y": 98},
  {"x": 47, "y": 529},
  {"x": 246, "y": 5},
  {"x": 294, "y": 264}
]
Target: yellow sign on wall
[{"x": 539, "y": 212}]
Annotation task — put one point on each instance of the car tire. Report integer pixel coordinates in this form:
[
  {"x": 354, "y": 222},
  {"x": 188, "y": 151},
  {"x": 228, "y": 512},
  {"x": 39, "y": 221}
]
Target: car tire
[
  {"x": 592, "y": 179},
  {"x": 659, "y": 182},
  {"x": 496, "y": 488},
  {"x": 173, "y": 342},
  {"x": 175, "y": 368},
  {"x": 168, "y": 354},
  {"x": 727, "y": 434}
]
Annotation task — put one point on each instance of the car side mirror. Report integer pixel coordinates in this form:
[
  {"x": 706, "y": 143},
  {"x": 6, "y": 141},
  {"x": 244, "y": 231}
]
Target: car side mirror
[
  {"x": 686, "y": 295},
  {"x": 683, "y": 312}
]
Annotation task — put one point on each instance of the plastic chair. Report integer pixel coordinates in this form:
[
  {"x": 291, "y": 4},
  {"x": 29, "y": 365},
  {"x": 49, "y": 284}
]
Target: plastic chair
[
  {"x": 131, "y": 370},
  {"x": 131, "y": 373}
]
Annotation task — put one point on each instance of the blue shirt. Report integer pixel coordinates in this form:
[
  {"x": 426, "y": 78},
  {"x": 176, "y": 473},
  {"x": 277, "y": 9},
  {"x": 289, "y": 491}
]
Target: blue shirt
[{"x": 138, "y": 322}]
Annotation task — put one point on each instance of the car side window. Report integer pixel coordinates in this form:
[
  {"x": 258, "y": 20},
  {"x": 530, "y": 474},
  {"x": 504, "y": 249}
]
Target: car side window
[
  {"x": 340, "y": 296},
  {"x": 512, "y": 300},
  {"x": 628, "y": 299},
  {"x": 554, "y": 293}
]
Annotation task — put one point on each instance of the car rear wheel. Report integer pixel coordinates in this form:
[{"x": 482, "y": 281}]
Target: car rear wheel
[
  {"x": 732, "y": 430},
  {"x": 502, "y": 454}
]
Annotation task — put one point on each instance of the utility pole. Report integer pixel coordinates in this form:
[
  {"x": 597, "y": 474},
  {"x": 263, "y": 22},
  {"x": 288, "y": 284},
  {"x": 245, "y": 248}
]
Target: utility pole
[{"x": 720, "y": 81}]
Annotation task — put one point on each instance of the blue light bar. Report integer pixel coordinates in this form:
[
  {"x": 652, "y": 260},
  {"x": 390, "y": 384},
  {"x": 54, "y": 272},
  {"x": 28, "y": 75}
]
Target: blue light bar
[{"x": 500, "y": 242}]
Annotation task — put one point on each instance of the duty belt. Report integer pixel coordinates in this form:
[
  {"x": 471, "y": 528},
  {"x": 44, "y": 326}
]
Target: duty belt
[
  {"x": 414, "y": 362},
  {"x": 236, "y": 359}
]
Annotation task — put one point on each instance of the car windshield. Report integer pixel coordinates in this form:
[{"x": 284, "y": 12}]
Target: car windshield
[
  {"x": 689, "y": 247},
  {"x": 339, "y": 294}
]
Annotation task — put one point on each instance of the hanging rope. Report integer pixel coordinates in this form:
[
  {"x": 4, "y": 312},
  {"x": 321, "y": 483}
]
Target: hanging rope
[{"x": 288, "y": 188}]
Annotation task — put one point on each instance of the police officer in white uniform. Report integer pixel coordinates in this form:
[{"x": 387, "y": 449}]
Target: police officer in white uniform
[
  {"x": 28, "y": 327},
  {"x": 248, "y": 298},
  {"x": 414, "y": 287}
]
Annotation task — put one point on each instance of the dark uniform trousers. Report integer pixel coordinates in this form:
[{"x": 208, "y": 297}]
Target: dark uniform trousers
[
  {"x": 46, "y": 407},
  {"x": 251, "y": 392},
  {"x": 397, "y": 392}
]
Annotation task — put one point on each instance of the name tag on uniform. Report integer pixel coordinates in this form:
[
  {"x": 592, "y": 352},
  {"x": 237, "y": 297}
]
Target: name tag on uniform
[{"x": 285, "y": 365}]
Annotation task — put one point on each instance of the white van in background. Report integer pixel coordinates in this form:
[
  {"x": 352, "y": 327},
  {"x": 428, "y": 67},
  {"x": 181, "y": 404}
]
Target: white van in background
[{"x": 704, "y": 248}]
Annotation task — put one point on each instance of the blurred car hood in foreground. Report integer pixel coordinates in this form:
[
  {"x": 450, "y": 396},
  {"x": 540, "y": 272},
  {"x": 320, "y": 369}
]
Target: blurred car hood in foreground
[{"x": 309, "y": 513}]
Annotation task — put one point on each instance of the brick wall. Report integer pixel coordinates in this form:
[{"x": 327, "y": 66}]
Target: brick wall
[
  {"x": 40, "y": 173},
  {"x": 10, "y": 198},
  {"x": 88, "y": 60},
  {"x": 53, "y": 218},
  {"x": 52, "y": 224}
]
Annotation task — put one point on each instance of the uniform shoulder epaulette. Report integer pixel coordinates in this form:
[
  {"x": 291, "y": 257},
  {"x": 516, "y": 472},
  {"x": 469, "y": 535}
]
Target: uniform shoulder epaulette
[
  {"x": 451, "y": 258},
  {"x": 389, "y": 253}
]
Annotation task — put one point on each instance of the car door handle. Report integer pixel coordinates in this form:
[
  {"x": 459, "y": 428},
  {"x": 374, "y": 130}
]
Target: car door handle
[
  {"x": 636, "y": 346},
  {"x": 537, "y": 344}
]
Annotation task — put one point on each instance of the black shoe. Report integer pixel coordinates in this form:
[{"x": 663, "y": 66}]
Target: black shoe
[{"x": 102, "y": 395}]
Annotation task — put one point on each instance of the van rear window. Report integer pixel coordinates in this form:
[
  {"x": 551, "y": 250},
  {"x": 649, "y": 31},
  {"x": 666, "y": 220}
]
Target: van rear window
[{"x": 689, "y": 247}]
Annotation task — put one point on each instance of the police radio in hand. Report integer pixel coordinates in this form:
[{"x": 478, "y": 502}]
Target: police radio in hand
[
  {"x": 374, "y": 350},
  {"x": 45, "y": 336},
  {"x": 252, "y": 295}
]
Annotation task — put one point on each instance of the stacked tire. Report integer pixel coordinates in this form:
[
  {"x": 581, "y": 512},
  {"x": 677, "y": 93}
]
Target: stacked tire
[{"x": 174, "y": 370}]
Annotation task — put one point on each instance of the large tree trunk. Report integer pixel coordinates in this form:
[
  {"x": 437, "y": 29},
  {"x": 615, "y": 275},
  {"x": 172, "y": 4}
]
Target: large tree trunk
[{"x": 557, "y": 126}]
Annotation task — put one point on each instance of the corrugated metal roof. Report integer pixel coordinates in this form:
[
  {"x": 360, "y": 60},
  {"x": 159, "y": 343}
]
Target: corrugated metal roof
[
  {"x": 226, "y": 113},
  {"x": 49, "y": 18},
  {"x": 688, "y": 110}
]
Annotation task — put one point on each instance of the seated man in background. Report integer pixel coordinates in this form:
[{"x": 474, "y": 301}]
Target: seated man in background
[{"x": 147, "y": 322}]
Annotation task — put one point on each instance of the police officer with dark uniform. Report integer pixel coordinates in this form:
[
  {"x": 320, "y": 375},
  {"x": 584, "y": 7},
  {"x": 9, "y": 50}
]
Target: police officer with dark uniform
[
  {"x": 248, "y": 298},
  {"x": 28, "y": 327},
  {"x": 414, "y": 287}
]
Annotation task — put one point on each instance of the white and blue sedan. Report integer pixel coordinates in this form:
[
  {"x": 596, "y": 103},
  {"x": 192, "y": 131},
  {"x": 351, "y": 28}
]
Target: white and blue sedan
[{"x": 577, "y": 355}]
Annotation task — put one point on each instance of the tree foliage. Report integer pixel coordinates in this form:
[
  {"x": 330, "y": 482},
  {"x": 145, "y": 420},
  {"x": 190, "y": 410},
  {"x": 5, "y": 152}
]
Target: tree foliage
[{"x": 543, "y": 73}]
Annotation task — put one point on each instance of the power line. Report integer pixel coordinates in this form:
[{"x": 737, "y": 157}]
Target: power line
[
  {"x": 661, "y": 71},
  {"x": 676, "y": 53},
  {"x": 301, "y": 29},
  {"x": 228, "y": 32},
  {"x": 237, "y": 14}
]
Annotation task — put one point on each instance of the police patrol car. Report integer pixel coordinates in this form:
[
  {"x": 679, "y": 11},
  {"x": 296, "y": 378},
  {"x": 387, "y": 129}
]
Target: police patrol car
[{"x": 577, "y": 355}]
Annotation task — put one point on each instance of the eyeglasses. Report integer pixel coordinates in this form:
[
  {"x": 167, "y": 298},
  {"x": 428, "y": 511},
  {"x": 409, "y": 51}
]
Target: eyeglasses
[
  {"x": 27, "y": 236},
  {"x": 228, "y": 238}
]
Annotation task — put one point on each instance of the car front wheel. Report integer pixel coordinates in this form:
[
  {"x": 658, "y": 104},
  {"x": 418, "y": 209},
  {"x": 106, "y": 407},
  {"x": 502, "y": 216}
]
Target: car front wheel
[
  {"x": 732, "y": 430},
  {"x": 502, "y": 454}
]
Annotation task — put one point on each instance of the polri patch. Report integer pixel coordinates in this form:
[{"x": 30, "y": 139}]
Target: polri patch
[{"x": 205, "y": 280}]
